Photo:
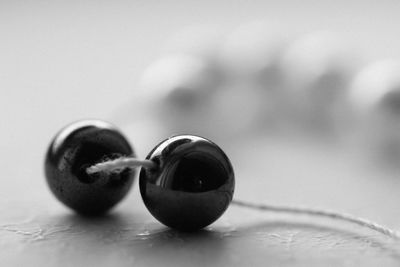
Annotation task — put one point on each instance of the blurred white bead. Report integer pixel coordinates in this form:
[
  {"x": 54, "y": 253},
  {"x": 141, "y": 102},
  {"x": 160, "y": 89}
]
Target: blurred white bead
[
  {"x": 375, "y": 95},
  {"x": 314, "y": 55},
  {"x": 181, "y": 87},
  {"x": 373, "y": 83},
  {"x": 317, "y": 69},
  {"x": 173, "y": 71},
  {"x": 252, "y": 48},
  {"x": 250, "y": 57}
]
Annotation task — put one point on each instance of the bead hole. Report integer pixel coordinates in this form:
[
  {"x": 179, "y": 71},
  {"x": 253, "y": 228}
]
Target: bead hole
[{"x": 89, "y": 154}]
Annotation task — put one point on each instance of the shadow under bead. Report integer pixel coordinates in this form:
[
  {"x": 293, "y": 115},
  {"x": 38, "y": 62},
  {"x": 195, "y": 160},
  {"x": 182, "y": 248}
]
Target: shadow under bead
[
  {"x": 73, "y": 150},
  {"x": 192, "y": 186}
]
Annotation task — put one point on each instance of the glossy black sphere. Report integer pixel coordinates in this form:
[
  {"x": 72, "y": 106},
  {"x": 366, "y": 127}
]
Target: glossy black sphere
[
  {"x": 191, "y": 187},
  {"x": 77, "y": 147}
]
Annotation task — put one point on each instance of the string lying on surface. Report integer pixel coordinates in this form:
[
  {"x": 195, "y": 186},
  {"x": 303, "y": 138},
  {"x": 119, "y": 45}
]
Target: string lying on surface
[
  {"x": 119, "y": 164},
  {"x": 322, "y": 213},
  {"x": 130, "y": 162}
]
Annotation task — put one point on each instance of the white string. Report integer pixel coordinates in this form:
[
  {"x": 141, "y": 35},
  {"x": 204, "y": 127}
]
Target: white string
[
  {"x": 130, "y": 162},
  {"x": 323, "y": 213},
  {"x": 119, "y": 164}
]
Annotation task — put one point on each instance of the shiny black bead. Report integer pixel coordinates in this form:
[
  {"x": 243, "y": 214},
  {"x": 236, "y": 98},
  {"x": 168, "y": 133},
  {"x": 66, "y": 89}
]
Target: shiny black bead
[
  {"x": 77, "y": 147},
  {"x": 192, "y": 185}
]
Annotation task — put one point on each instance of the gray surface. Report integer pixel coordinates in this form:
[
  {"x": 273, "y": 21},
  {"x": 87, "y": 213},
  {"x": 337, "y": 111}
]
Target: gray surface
[{"x": 37, "y": 230}]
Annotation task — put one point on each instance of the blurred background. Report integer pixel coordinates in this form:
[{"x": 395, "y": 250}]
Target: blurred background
[{"x": 304, "y": 97}]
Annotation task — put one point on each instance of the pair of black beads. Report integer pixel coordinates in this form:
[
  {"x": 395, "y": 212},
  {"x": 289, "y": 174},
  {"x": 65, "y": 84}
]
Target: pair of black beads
[{"x": 189, "y": 187}]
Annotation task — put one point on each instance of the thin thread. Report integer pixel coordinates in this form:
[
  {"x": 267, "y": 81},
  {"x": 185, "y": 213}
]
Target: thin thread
[
  {"x": 322, "y": 213},
  {"x": 130, "y": 162},
  {"x": 119, "y": 164}
]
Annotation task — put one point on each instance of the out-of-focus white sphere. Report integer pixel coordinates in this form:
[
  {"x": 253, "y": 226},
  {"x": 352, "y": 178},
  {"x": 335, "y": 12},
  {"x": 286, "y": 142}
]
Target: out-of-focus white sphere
[
  {"x": 375, "y": 96},
  {"x": 314, "y": 55},
  {"x": 176, "y": 71},
  {"x": 252, "y": 48},
  {"x": 375, "y": 83},
  {"x": 318, "y": 68},
  {"x": 250, "y": 57},
  {"x": 180, "y": 88}
]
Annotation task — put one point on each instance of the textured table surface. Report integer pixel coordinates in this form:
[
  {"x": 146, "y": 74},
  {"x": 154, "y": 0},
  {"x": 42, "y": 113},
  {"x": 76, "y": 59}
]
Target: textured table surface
[
  {"x": 66, "y": 61},
  {"x": 37, "y": 230}
]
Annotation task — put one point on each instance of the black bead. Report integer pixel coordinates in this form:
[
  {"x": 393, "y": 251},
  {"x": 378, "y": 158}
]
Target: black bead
[
  {"x": 191, "y": 187},
  {"x": 77, "y": 147}
]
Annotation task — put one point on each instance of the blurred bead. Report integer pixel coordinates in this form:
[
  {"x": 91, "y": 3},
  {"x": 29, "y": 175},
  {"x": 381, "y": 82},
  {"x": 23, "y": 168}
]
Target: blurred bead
[
  {"x": 375, "y": 95},
  {"x": 374, "y": 84},
  {"x": 253, "y": 48},
  {"x": 251, "y": 56},
  {"x": 193, "y": 185},
  {"x": 181, "y": 87},
  {"x": 75, "y": 148},
  {"x": 318, "y": 69},
  {"x": 177, "y": 71}
]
